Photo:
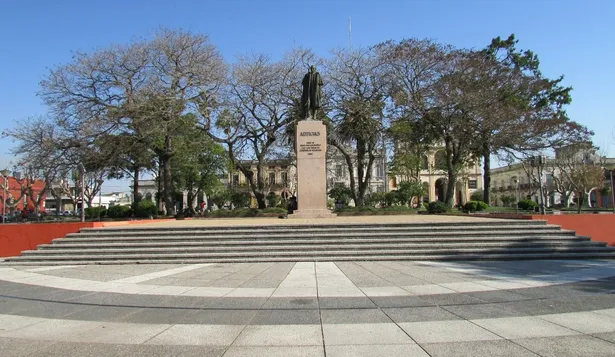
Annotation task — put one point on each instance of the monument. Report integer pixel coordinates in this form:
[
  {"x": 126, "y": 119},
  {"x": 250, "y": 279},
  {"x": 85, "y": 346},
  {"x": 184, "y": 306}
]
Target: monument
[{"x": 311, "y": 152}]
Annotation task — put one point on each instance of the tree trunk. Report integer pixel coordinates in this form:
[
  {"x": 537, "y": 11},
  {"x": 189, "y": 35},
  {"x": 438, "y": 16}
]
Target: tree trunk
[
  {"x": 486, "y": 172},
  {"x": 135, "y": 187},
  {"x": 168, "y": 198},
  {"x": 579, "y": 202},
  {"x": 451, "y": 173}
]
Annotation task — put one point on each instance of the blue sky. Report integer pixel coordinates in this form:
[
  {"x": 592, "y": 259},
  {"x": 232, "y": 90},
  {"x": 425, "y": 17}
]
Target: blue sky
[{"x": 574, "y": 38}]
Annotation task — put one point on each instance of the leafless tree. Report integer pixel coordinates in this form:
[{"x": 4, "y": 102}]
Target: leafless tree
[
  {"x": 259, "y": 105},
  {"x": 357, "y": 98}
]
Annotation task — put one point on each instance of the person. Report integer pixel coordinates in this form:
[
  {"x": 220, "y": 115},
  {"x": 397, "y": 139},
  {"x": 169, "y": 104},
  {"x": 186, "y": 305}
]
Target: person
[{"x": 203, "y": 207}]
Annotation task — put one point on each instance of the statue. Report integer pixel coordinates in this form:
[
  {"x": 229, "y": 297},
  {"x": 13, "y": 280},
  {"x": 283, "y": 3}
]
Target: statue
[{"x": 311, "y": 96}]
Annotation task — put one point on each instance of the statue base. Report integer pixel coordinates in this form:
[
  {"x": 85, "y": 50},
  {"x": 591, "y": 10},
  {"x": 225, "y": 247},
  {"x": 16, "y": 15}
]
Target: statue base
[
  {"x": 312, "y": 213},
  {"x": 311, "y": 146}
]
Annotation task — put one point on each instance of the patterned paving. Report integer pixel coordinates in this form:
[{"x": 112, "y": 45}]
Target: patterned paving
[{"x": 517, "y": 308}]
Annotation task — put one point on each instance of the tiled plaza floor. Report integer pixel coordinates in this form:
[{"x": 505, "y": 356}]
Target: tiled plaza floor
[{"x": 516, "y": 308}]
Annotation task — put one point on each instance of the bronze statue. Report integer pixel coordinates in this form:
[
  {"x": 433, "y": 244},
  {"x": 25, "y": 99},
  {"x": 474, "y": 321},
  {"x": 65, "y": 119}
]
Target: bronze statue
[{"x": 311, "y": 96}]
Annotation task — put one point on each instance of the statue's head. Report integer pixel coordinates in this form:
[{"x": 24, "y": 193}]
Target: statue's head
[{"x": 312, "y": 68}]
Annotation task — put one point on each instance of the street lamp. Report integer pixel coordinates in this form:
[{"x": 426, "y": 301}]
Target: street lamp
[{"x": 5, "y": 177}]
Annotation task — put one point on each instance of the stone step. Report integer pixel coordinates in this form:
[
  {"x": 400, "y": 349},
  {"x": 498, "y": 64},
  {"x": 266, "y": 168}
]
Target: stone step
[
  {"x": 344, "y": 235},
  {"x": 69, "y": 260},
  {"x": 97, "y": 250},
  {"x": 141, "y": 242},
  {"x": 303, "y": 229},
  {"x": 319, "y": 252},
  {"x": 295, "y": 227}
]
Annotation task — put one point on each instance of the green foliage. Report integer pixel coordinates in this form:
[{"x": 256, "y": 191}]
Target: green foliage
[
  {"x": 481, "y": 206},
  {"x": 409, "y": 189},
  {"x": 145, "y": 209},
  {"x": 240, "y": 199},
  {"x": 377, "y": 198},
  {"x": 220, "y": 196},
  {"x": 341, "y": 192},
  {"x": 527, "y": 205},
  {"x": 391, "y": 198},
  {"x": 246, "y": 212},
  {"x": 507, "y": 200},
  {"x": 437, "y": 207},
  {"x": 470, "y": 206},
  {"x": 273, "y": 200},
  {"x": 475, "y": 206},
  {"x": 93, "y": 212},
  {"x": 426, "y": 205},
  {"x": 477, "y": 195},
  {"x": 119, "y": 212}
]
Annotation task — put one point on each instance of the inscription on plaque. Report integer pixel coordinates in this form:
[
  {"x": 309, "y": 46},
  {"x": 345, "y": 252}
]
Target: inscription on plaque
[{"x": 310, "y": 147}]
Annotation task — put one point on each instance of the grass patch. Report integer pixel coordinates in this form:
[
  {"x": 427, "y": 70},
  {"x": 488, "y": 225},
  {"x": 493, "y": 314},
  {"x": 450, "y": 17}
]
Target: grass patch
[{"x": 247, "y": 212}]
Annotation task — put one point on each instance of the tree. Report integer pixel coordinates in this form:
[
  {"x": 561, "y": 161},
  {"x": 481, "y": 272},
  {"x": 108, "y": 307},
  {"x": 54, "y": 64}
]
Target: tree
[
  {"x": 259, "y": 104},
  {"x": 424, "y": 84},
  {"x": 516, "y": 108},
  {"x": 143, "y": 86},
  {"x": 357, "y": 100},
  {"x": 408, "y": 190}
]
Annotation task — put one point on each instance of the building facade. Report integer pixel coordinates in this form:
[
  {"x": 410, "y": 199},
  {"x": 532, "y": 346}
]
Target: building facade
[
  {"x": 434, "y": 177},
  {"x": 522, "y": 180}
]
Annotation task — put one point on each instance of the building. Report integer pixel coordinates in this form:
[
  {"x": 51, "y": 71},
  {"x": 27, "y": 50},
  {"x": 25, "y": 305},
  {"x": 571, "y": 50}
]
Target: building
[
  {"x": 522, "y": 180},
  {"x": 338, "y": 173},
  {"x": 434, "y": 177},
  {"x": 280, "y": 177},
  {"x": 15, "y": 194}
]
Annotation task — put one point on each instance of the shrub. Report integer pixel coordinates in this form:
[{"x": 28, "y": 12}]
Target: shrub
[
  {"x": 392, "y": 198},
  {"x": 477, "y": 195},
  {"x": 425, "y": 205},
  {"x": 220, "y": 196},
  {"x": 93, "y": 212},
  {"x": 119, "y": 212},
  {"x": 507, "y": 200},
  {"x": 437, "y": 207},
  {"x": 470, "y": 206},
  {"x": 146, "y": 208},
  {"x": 481, "y": 206},
  {"x": 377, "y": 198},
  {"x": 240, "y": 199},
  {"x": 527, "y": 205},
  {"x": 341, "y": 193},
  {"x": 272, "y": 199}
]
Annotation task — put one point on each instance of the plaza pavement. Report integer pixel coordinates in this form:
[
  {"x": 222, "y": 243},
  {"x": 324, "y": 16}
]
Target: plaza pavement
[{"x": 333, "y": 309}]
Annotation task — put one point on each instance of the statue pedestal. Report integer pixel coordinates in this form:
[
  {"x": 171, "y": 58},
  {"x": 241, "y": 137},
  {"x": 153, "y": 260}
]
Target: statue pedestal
[{"x": 311, "y": 146}]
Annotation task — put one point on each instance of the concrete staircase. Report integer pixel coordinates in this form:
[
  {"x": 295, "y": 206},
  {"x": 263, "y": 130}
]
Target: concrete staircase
[{"x": 497, "y": 240}]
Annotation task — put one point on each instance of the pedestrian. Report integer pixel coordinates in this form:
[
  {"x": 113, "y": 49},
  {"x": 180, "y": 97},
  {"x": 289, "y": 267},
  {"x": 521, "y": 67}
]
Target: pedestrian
[{"x": 203, "y": 207}]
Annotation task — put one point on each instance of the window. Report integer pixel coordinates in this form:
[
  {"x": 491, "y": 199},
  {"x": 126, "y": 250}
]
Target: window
[
  {"x": 236, "y": 180},
  {"x": 272, "y": 178},
  {"x": 284, "y": 177},
  {"x": 379, "y": 171},
  {"x": 472, "y": 184},
  {"x": 271, "y": 167},
  {"x": 339, "y": 171}
]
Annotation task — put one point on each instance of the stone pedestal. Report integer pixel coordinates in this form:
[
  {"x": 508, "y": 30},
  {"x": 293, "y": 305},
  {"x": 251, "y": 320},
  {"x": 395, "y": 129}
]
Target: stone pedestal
[{"x": 311, "y": 146}]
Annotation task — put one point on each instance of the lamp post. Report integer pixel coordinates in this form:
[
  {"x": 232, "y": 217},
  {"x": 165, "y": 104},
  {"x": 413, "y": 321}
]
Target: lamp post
[
  {"x": 5, "y": 174},
  {"x": 516, "y": 182}
]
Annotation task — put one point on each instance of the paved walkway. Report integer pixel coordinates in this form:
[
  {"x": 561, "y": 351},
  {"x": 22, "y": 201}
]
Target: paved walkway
[{"x": 517, "y": 308}]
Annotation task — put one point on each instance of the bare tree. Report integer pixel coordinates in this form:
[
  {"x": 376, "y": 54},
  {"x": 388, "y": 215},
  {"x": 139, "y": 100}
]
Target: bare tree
[
  {"x": 260, "y": 102},
  {"x": 357, "y": 99}
]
